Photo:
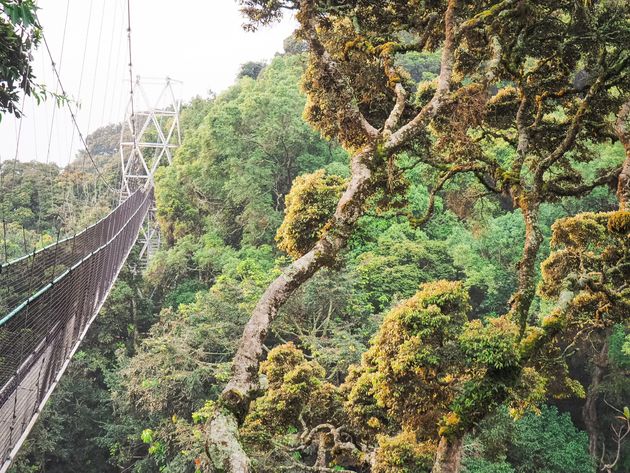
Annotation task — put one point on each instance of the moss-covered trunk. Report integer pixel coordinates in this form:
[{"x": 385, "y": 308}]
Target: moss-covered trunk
[
  {"x": 226, "y": 451},
  {"x": 449, "y": 456}
]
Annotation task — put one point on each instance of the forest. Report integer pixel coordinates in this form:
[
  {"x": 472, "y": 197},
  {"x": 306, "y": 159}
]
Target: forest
[{"x": 400, "y": 246}]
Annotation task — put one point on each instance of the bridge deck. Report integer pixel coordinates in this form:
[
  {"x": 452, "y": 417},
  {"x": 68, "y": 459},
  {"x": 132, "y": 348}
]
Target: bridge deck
[{"x": 48, "y": 301}]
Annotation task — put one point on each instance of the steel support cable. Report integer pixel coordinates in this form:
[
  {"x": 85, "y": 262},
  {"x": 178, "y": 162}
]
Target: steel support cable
[
  {"x": 131, "y": 98},
  {"x": 58, "y": 317},
  {"x": 52, "y": 125},
  {"x": 96, "y": 64},
  {"x": 54, "y": 66},
  {"x": 117, "y": 92},
  {"x": 85, "y": 41},
  {"x": 74, "y": 120},
  {"x": 109, "y": 62}
]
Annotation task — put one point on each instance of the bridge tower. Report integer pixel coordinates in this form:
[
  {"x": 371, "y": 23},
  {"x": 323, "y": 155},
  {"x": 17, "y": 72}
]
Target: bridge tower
[{"x": 148, "y": 139}]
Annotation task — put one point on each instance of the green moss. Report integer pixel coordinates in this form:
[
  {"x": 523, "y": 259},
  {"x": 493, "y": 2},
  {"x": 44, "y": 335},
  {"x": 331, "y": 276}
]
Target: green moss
[
  {"x": 619, "y": 222},
  {"x": 407, "y": 376}
]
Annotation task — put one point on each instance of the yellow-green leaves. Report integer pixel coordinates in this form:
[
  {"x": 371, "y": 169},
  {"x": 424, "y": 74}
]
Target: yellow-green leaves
[
  {"x": 493, "y": 344},
  {"x": 309, "y": 206}
]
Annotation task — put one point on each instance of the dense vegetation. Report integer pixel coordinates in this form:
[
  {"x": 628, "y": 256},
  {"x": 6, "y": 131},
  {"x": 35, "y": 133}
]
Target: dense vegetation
[{"x": 464, "y": 308}]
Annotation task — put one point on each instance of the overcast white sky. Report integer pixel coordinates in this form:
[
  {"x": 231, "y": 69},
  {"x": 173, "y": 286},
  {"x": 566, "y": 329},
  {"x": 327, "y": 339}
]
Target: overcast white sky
[{"x": 200, "y": 42}]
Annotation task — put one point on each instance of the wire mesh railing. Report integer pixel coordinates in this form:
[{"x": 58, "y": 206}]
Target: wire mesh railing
[
  {"x": 20, "y": 278},
  {"x": 50, "y": 299}
]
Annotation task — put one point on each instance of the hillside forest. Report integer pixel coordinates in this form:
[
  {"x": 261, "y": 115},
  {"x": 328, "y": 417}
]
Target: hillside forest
[{"x": 400, "y": 246}]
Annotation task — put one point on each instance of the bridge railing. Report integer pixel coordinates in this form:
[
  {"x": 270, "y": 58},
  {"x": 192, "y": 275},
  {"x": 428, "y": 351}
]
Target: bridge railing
[
  {"x": 20, "y": 278},
  {"x": 39, "y": 335}
]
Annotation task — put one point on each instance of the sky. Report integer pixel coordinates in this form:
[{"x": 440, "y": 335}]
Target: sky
[{"x": 198, "y": 42}]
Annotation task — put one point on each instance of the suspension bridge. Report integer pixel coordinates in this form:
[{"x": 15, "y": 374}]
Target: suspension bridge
[{"x": 50, "y": 297}]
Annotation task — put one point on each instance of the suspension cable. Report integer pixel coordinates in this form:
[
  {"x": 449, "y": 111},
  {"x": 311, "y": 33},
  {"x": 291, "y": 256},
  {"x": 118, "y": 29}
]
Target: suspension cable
[
  {"x": 109, "y": 61},
  {"x": 133, "y": 113},
  {"x": 87, "y": 35},
  {"x": 74, "y": 118},
  {"x": 96, "y": 64},
  {"x": 63, "y": 45}
]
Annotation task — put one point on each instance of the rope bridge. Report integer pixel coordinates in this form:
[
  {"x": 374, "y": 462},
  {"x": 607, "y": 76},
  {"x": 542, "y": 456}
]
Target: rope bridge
[{"x": 50, "y": 299}]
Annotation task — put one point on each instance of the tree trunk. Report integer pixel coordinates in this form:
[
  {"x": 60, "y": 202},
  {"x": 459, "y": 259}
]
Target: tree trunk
[
  {"x": 223, "y": 446},
  {"x": 235, "y": 398},
  {"x": 234, "y": 401},
  {"x": 589, "y": 411},
  {"x": 623, "y": 188},
  {"x": 526, "y": 290},
  {"x": 449, "y": 456},
  {"x": 622, "y": 128}
]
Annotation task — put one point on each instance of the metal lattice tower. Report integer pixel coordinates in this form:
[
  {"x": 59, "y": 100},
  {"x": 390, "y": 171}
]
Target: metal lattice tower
[{"x": 148, "y": 140}]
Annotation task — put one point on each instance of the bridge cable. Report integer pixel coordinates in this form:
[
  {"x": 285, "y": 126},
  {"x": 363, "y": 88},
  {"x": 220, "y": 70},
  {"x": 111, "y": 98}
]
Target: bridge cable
[
  {"x": 133, "y": 114},
  {"x": 74, "y": 119},
  {"x": 50, "y": 139},
  {"x": 96, "y": 64},
  {"x": 109, "y": 60},
  {"x": 87, "y": 36}
]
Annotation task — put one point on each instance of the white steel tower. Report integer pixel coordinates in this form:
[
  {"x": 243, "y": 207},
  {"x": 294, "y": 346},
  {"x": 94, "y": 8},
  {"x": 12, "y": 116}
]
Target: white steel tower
[{"x": 148, "y": 139}]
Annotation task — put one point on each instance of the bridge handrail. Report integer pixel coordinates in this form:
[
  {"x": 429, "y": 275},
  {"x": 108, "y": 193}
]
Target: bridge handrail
[
  {"x": 40, "y": 335},
  {"x": 43, "y": 290},
  {"x": 21, "y": 277}
]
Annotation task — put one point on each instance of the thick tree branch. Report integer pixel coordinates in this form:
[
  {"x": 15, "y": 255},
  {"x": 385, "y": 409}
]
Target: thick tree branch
[
  {"x": 554, "y": 188},
  {"x": 411, "y": 129},
  {"x": 397, "y": 111},
  {"x": 309, "y": 29},
  {"x": 572, "y": 132},
  {"x": 522, "y": 130},
  {"x": 243, "y": 383},
  {"x": 490, "y": 13}
]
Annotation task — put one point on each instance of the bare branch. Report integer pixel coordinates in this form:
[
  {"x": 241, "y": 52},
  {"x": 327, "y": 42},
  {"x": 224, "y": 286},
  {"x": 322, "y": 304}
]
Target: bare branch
[
  {"x": 437, "y": 188},
  {"x": 410, "y": 129},
  {"x": 555, "y": 189},
  {"x": 572, "y": 132}
]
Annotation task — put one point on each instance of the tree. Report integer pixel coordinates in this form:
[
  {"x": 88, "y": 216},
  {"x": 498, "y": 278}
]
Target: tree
[
  {"x": 20, "y": 33},
  {"x": 251, "y": 69},
  {"x": 233, "y": 171},
  {"x": 358, "y": 96},
  {"x": 544, "y": 441}
]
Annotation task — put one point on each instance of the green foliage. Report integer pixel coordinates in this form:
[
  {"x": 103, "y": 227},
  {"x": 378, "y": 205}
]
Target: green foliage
[
  {"x": 488, "y": 256},
  {"x": 297, "y": 397},
  {"x": 403, "y": 454},
  {"x": 309, "y": 206},
  {"x": 20, "y": 33},
  {"x": 481, "y": 465},
  {"x": 547, "y": 442},
  {"x": 292, "y": 382},
  {"x": 184, "y": 293},
  {"x": 422, "y": 67},
  {"x": 251, "y": 69},
  {"x": 619, "y": 347},
  {"x": 494, "y": 344},
  {"x": 233, "y": 171},
  {"x": 592, "y": 247},
  {"x": 401, "y": 260},
  {"x": 409, "y": 369}
]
